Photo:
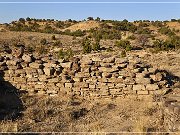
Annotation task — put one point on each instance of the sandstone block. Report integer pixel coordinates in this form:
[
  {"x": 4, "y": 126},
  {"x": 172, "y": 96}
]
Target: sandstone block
[
  {"x": 109, "y": 60},
  {"x": 143, "y": 92},
  {"x": 32, "y": 79},
  {"x": 54, "y": 80},
  {"x": 143, "y": 80},
  {"x": 128, "y": 88},
  {"x": 121, "y": 60},
  {"x": 86, "y": 61},
  {"x": 43, "y": 78},
  {"x": 123, "y": 65},
  {"x": 115, "y": 80},
  {"x": 19, "y": 79},
  {"x": 92, "y": 86},
  {"x": 129, "y": 80},
  {"x": 152, "y": 87},
  {"x": 60, "y": 85},
  {"x": 27, "y": 58},
  {"x": 78, "y": 79},
  {"x": 139, "y": 87},
  {"x": 66, "y": 65},
  {"x": 96, "y": 58},
  {"x": 36, "y": 65},
  {"x": 120, "y": 85},
  {"x": 68, "y": 85},
  {"x": 49, "y": 71}
]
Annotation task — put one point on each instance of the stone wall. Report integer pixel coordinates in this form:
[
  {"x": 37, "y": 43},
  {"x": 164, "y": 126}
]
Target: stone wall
[{"x": 87, "y": 76}]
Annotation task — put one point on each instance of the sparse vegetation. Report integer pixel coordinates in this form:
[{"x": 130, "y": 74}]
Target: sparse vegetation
[
  {"x": 124, "y": 44},
  {"x": 62, "y": 54}
]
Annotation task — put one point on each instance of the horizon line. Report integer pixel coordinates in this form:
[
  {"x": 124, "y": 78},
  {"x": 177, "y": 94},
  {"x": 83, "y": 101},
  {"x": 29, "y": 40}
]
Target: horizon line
[{"x": 98, "y": 2}]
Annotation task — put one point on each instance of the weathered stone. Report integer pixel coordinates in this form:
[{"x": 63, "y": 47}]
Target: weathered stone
[
  {"x": 66, "y": 65},
  {"x": 152, "y": 87},
  {"x": 82, "y": 75},
  {"x": 11, "y": 62},
  {"x": 115, "y": 80},
  {"x": 60, "y": 85},
  {"x": 111, "y": 85},
  {"x": 95, "y": 58},
  {"x": 54, "y": 80},
  {"x": 68, "y": 85},
  {"x": 19, "y": 79},
  {"x": 32, "y": 79},
  {"x": 158, "y": 77},
  {"x": 92, "y": 86},
  {"x": 121, "y": 60},
  {"x": 144, "y": 92},
  {"x": 123, "y": 65},
  {"x": 81, "y": 84},
  {"x": 143, "y": 80},
  {"x": 128, "y": 80},
  {"x": 128, "y": 88},
  {"x": 86, "y": 61},
  {"x": 109, "y": 60},
  {"x": 120, "y": 85},
  {"x": 49, "y": 71},
  {"x": 27, "y": 58},
  {"x": 78, "y": 79},
  {"x": 139, "y": 87},
  {"x": 115, "y": 91},
  {"x": 36, "y": 65}
]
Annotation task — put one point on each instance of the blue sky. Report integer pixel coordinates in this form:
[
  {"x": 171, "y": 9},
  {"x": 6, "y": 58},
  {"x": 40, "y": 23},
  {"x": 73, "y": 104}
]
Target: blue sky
[{"x": 10, "y": 12}]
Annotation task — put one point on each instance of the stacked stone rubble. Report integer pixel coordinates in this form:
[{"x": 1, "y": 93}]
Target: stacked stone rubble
[{"x": 95, "y": 76}]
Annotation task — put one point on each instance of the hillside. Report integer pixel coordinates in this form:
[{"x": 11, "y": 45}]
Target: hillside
[{"x": 90, "y": 76}]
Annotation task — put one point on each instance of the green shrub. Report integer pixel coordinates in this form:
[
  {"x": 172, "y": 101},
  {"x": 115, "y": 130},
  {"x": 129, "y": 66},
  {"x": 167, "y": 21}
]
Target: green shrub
[
  {"x": 96, "y": 46},
  {"x": 124, "y": 44},
  {"x": 57, "y": 43},
  {"x": 166, "y": 31},
  {"x": 65, "y": 54},
  {"x": 169, "y": 44},
  {"x": 41, "y": 50},
  {"x": 86, "y": 44}
]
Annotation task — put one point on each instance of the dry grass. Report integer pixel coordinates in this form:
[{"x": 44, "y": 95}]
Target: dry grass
[
  {"x": 47, "y": 114},
  {"x": 84, "y": 26}
]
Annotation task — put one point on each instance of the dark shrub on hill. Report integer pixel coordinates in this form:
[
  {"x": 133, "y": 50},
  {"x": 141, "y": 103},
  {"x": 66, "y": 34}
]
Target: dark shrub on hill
[
  {"x": 124, "y": 44},
  {"x": 86, "y": 44},
  {"x": 166, "y": 31}
]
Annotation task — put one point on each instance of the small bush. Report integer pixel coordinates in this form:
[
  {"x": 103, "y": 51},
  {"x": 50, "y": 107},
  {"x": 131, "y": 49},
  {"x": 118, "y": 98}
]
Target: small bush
[
  {"x": 86, "y": 44},
  {"x": 124, "y": 44},
  {"x": 41, "y": 50},
  {"x": 65, "y": 54},
  {"x": 57, "y": 43},
  {"x": 96, "y": 46}
]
